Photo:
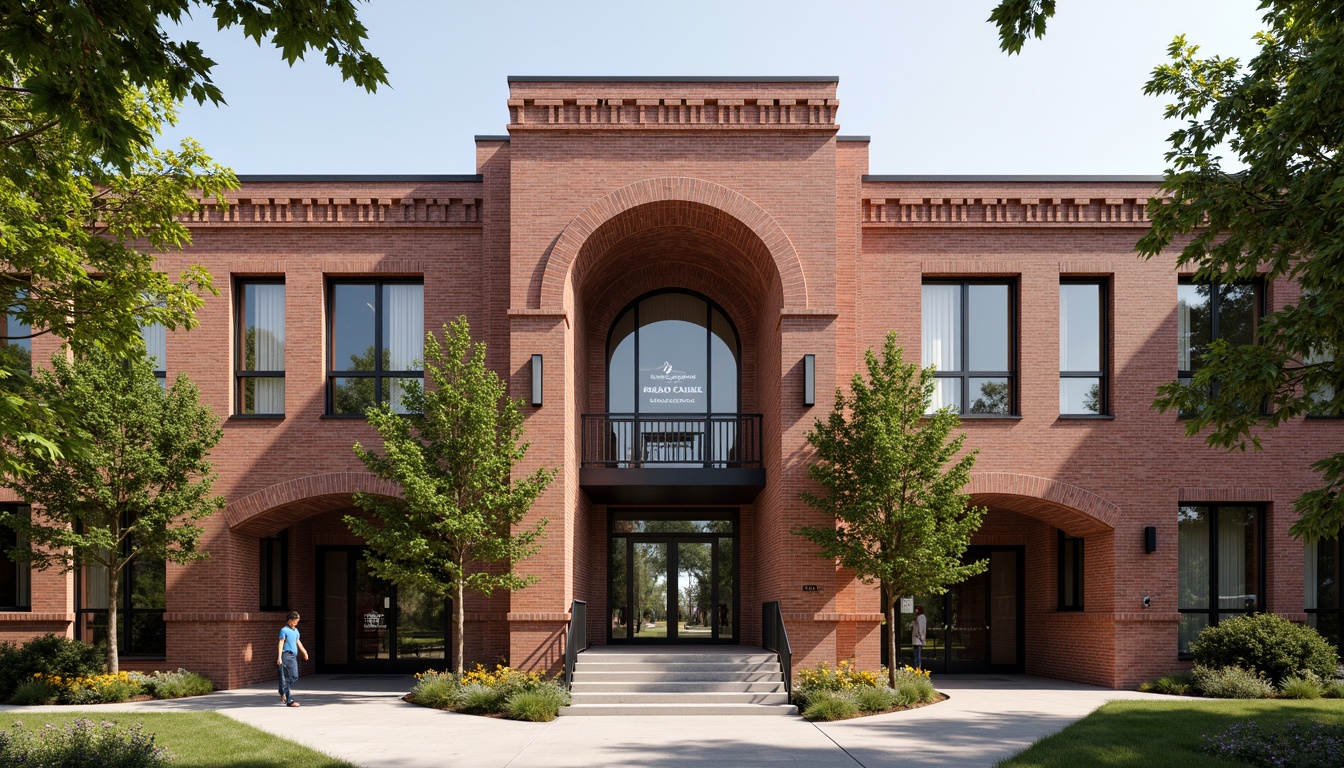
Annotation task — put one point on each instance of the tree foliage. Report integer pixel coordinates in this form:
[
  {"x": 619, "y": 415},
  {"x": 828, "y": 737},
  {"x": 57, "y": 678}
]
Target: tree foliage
[
  {"x": 1281, "y": 217},
  {"x": 137, "y": 489},
  {"x": 891, "y": 479},
  {"x": 455, "y": 528}
]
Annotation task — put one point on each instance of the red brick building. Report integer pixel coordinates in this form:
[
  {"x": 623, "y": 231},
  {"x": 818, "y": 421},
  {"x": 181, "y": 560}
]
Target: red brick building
[{"x": 671, "y": 272}]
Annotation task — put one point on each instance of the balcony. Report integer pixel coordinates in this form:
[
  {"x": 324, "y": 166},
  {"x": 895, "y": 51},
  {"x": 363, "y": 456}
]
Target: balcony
[{"x": 671, "y": 459}]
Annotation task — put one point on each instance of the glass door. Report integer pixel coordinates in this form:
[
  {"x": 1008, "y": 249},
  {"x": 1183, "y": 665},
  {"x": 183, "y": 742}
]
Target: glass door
[{"x": 369, "y": 625}]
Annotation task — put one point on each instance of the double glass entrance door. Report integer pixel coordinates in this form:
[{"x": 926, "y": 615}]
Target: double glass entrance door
[
  {"x": 672, "y": 580},
  {"x": 977, "y": 625},
  {"x": 366, "y": 624}
]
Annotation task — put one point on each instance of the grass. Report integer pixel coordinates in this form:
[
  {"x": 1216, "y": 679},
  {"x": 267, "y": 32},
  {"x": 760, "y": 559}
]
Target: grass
[
  {"x": 199, "y": 739},
  {"x": 1154, "y": 734}
]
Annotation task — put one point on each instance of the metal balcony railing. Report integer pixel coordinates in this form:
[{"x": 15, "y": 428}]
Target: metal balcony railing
[{"x": 632, "y": 441}]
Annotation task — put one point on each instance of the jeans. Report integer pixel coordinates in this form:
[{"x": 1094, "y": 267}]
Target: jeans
[
  {"x": 289, "y": 673},
  {"x": 919, "y": 652}
]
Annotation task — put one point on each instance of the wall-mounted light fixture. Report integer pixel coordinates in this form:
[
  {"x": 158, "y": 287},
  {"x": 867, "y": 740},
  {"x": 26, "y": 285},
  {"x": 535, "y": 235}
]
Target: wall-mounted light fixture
[
  {"x": 1150, "y": 539},
  {"x": 809, "y": 380},
  {"x": 536, "y": 381}
]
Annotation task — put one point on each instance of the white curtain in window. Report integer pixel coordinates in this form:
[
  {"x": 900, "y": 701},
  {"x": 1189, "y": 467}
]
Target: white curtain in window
[
  {"x": 404, "y": 324},
  {"x": 156, "y": 345},
  {"x": 1193, "y": 573},
  {"x": 268, "y": 301},
  {"x": 1233, "y": 589},
  {"x": 95, "y": 587},
  {"x": 941, "y": 319},
  {"x": 1311, "y": 575},
  {"x": 1183, "y": 362}
]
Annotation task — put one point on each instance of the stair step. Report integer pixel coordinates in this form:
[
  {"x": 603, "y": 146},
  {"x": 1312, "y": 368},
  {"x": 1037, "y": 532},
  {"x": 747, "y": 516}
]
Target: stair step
[
  {"x": 671, "y": 710},
  {"x": 693, "y": 697},
  {"x": 674, "y": 676},
  {"x": 675, "y": 658},
  {"x": 650, "y": 666},
  {"x": 764, "y": 686}
]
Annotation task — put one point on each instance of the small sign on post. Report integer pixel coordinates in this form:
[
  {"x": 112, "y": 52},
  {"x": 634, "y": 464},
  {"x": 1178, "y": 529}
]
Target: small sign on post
[{"x": 907, "y": 605}]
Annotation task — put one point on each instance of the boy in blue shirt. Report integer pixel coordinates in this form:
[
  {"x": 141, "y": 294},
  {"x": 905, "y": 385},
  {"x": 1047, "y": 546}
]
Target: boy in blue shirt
[{"x": 286, "y": 658}]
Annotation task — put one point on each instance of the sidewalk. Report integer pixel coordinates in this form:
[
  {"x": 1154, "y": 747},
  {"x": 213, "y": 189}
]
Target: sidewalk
[{"x": 363, "y": 720}]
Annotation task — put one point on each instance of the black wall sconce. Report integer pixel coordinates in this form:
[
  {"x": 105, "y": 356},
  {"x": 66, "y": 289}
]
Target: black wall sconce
[
  {"x": 809, "y": 380},
  {"x": 536, "y": 381},
  {"x": 1150, "y": 539}
]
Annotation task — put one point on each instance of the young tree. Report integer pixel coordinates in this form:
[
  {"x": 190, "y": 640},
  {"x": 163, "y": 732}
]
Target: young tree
[
  {"x": 453, "y": 454},
  {"x": 137, "y": 489},
  {"x": 882, "y": 462},
  {"x": 1282, "y": 216}
]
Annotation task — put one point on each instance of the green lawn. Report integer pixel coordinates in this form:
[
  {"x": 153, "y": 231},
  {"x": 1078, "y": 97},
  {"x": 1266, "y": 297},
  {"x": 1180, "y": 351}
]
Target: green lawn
[
  {"x": 1153, "y": 734},
  {"x": 205, "y": 739}
]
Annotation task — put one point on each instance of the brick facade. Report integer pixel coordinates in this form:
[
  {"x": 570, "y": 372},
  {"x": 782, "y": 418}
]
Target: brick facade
[{"x": 743, "y": 192}]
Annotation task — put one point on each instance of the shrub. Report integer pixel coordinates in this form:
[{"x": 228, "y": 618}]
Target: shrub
[
  {"x": 1293, "y": 745},
  {"x": 174, "y": 685},
  {"x": 918, "y": 691},
  {"x": 97, "y": 689},
  {"x": 872, "y": 698},
  {"x": 1174, "y": 684},
  {"x": 81, "y": 743},
  {"x": 437, "y": 690},
  {"x": 831, "y": 705},
  {"x": 1333, "y": 689},
  {"x": 34, "y": 691},
  {"x": 539, "y": 705},
  {"x": 480, "y": 699},
  {"x": 1303, "y": 686},
  {"x": 1231, "y": 683},
  {"x": 843, "y": 677},
  {"x": 49, "y": 655},
  {"x": 1266, "y": 643}
]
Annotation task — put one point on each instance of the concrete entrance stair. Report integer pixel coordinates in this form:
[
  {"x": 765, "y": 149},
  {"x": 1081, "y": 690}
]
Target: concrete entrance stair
[{"x": 678, "y": 680}]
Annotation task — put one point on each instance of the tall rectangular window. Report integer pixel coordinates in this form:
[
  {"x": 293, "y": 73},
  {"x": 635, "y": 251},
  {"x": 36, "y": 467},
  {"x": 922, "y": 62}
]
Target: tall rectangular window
[
  {"x": 968, "y": 332},
  {"x": 15, "y": 576},
  {"x": 16, "y": 343},
  {"x": 1206, "y": 312},
  {"x": 377, "y": 343},
  {"x": 1082, "y": 348},
  {"x": 141, "y": 601},
  {"x": 261, "y": 348},
  {"x": 1222, "y": 565},
  {"x": 156, "y": 349},
  {"x": 1324, "y": 579},
  {"x": 1070, "y": 572},
  {"x": 274, "y": 576}
]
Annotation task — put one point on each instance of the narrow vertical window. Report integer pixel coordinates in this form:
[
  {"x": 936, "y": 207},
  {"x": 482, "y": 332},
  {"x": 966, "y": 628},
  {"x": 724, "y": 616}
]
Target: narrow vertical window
[
  {"x": 1221, "y": 571},
  {"x": 377, "y": 343},
  {"x": 156, "y": 349},
  {"x": 260, "y": 346},
  {"x": 1070, "y": 572},
  {"x": 274, "y": 571},
  {"x": 968, "y": 331},
  {"x": 15, "y": 575},
  {"x": 16, "y": 342},
  {"x": 1324, "y": 604},
  {"x": 1082, "y": 348}
]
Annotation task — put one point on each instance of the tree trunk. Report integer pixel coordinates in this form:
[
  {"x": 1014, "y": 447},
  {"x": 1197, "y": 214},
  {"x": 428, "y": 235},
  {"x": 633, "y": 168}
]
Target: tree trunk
[
  {"x": 893, "y": 639},
  {"x": 459, "y": 615},
  {"x": 113, "y": 576}
]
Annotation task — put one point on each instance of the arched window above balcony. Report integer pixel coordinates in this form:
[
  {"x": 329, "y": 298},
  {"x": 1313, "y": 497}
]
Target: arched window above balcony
[{"x": 673, "y": 352}]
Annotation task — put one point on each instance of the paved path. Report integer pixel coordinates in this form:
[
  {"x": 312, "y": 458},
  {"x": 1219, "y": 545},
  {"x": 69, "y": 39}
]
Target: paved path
[{"x": 363, "y": 720}]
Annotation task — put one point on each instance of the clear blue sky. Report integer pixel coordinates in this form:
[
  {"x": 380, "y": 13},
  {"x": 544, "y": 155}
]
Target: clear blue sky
[{"x": 925, "y": 80}]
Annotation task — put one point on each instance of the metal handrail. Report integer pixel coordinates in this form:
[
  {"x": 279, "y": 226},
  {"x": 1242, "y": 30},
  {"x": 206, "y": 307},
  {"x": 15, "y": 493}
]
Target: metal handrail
[
  {"x": 634, "y": 440},
  {"x": 576, "y": 639},
  {"x": 775, "y": 638}
]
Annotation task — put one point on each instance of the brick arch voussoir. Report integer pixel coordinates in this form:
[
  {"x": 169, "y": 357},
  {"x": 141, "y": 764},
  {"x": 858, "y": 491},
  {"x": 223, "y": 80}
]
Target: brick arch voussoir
[
  {"x": 565, "y": 252},
  {"x": 248, "y": 514},
  {"x": 1095, "y": 508}
]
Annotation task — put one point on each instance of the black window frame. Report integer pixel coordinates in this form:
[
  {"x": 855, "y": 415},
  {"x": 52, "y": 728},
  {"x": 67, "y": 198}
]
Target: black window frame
[
  {"x": 1337, "y": 610},
  {"x": 240, "y": 346},
  {"x": 9, "y": 317},
  {"x": 378, "y": 374},
  {"x": 1103, "y": 344},
  {"x": 1186, "y": 376},
  {"x": 126, "y": 612},
  {"x": 1071, "y": 571},
  {"x": 1014, "y": 363},
  {"x": 1215, "y": 613},
  {"x": 8, "y": 539},
  {"x": 268, "y": 576}
]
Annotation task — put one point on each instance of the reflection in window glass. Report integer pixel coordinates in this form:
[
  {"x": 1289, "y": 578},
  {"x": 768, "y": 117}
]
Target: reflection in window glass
[
  {"x": 261, "y": 347},
  {"x": 967, "y": 336},
  {"x": 1082, "y": 385},
  {"x": 15, "y": 576},
  {"x": 1324, "y": 601},
  {"x": 377, "y": 344},
  {"x": 16, "y": 348},
  {"x": 1221, "y": 565},
  {"x": 1206, "y": 312}
]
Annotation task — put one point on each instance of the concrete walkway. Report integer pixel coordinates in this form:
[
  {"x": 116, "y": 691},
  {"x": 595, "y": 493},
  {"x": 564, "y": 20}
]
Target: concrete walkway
[{"x": 363, "y": 720}]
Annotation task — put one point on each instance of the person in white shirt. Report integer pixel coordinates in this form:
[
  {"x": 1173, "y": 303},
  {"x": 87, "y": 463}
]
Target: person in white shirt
[{"x": 918, "y": 631}]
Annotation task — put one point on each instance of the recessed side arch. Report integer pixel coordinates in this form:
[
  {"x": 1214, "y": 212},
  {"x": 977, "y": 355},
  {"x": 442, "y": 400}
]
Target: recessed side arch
[
  {"x": 1068, "y": 507},
  {"x": 564, "y": 254},
  {"x": 275, "y": 508}
]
